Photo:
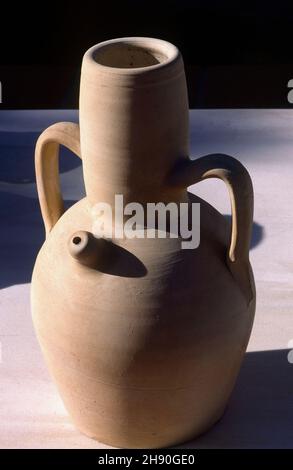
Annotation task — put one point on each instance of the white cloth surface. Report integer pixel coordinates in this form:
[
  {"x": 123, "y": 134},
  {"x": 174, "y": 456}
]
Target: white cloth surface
[{"x": 260, "y": 412}]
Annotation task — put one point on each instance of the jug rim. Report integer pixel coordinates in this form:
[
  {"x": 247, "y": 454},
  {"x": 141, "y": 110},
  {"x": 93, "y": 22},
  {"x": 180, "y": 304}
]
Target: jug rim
[{"x": 163, "y": 52}]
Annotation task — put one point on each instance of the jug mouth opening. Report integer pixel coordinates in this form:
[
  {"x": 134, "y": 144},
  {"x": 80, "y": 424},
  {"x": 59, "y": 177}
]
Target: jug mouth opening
[{"x": 133, "y": 54}]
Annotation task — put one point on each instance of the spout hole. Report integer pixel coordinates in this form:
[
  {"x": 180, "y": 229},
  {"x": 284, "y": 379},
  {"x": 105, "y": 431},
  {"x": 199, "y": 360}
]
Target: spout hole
[{"x": 76, "y": 240}]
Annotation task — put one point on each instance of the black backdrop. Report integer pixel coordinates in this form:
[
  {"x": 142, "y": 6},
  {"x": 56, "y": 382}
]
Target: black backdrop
[{"x": 236, "y": 55}]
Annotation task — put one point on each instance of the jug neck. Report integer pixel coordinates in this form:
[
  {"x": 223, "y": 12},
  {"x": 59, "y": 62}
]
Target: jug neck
[{"x": 133, "y": 119}]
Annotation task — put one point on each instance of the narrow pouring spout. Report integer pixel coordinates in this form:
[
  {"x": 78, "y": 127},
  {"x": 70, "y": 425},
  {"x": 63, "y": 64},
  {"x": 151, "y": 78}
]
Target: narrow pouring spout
[{"x": 87, "y": 249}]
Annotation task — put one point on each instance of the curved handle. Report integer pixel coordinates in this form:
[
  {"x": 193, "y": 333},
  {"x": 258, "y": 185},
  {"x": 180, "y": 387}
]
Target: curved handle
[
  {"x": 47, "y": 168},
  {"x": 239, "y": 184}
]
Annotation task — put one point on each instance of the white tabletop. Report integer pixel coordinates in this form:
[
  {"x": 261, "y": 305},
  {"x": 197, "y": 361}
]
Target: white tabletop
[{"x": 260, "y": 412}]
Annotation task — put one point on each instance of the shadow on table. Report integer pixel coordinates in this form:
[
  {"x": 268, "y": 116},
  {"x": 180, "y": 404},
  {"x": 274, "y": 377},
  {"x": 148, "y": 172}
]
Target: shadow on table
[
  {"x": 260, "y": 412},
  {"x": 17, "y": 161},
  {"x": 21, "y": 236}
]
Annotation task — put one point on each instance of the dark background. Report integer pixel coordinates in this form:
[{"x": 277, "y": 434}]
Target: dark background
[{"x": 236, "y": 54}]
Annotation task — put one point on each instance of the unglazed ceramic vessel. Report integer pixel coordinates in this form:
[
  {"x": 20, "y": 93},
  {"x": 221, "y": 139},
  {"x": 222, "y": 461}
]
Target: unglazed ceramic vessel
[{"x": 144, "y": 339}]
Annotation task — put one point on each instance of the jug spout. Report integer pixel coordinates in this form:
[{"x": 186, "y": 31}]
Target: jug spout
[{"x": 86, "y": 249}]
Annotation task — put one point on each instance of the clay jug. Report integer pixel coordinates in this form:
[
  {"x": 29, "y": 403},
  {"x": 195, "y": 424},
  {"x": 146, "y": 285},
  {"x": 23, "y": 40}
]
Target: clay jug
[{"x": 144, "y": 339}]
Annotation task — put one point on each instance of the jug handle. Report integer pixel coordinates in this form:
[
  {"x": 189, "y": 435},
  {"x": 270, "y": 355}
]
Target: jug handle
[
  {"x": 47, "y": 168},
  {"x": 238, "y": 182}
]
